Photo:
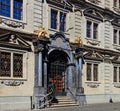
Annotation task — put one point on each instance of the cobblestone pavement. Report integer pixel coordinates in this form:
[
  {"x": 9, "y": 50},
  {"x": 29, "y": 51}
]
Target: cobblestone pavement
[
  {"x": 92, "y": 107},
  {"x": 95, "y": 107}
]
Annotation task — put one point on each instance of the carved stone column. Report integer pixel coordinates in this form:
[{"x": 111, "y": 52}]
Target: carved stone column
[
  {"x": 45, "y": 76},
  {"x": 38, "y": 65},
  {"x": 40, "y": 73},
  {"x": 71, "y": 67},
  {"x": 40, "y": 69},
  {"x": 80, "y": 73},
  {"x": 79, "y": 64}
]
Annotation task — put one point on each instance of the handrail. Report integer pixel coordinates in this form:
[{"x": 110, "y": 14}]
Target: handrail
[{"x": 46, "y": 100}]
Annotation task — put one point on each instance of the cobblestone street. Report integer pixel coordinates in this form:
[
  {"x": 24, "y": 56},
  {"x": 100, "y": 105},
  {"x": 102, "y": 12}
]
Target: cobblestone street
[
  {"x": 92, "y": 107},
  {"x": 95, "y": 107}
]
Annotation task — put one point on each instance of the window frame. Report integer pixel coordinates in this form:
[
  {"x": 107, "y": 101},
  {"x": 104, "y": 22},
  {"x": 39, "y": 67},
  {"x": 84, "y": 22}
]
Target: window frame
[
  {"x": 24, "y": 12},
  {"x": 93, "y": 23},
  {"x": 24, "y": 63},
  {"x": 116, "y": 36},
  {"x": 93, "y": 79},
  {"x": 59, "y": 11},
  {"x": 116, "y": 77}
]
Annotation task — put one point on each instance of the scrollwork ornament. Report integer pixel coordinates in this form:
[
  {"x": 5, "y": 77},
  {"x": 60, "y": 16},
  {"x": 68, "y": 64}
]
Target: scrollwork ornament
[
  {"x": 12, "y": 23},
  {"x": 12, "y": 82}
]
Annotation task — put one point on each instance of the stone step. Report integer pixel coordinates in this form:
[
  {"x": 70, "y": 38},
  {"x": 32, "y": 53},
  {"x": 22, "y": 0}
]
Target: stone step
[
  {"x": 64, "y": 101},
  {"x": 63, "y": 105}
]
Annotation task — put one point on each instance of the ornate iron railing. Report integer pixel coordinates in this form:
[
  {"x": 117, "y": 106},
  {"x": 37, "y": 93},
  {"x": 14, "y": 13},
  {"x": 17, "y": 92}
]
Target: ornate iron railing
[{"x": 46, "y": 101}]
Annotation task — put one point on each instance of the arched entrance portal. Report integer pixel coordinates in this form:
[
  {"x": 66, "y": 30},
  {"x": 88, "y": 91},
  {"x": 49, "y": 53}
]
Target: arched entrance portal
[{"x": 57, "y": 71}]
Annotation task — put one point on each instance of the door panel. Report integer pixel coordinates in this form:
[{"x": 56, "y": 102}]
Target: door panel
[{"x": 57, "y": 77}]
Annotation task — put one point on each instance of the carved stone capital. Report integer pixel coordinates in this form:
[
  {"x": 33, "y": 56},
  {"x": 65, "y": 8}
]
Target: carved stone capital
[{"x": 39, "y": 48}]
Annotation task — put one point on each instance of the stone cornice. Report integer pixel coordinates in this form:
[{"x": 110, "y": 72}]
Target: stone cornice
[
  {"x": 100, "y": 54},
  {"x": 101, "y": 50},
  {"x": 26, "y": 36},
  {"x": 59, "y": 4},
  {"x": 106, "y": 13}
]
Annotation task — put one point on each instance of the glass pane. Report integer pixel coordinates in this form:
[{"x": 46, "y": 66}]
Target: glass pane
[
  {"x": 18, "y": 9},
  {"x": 5, "y": 8},
  {"x": 62, "y": 21},
  {"x": 53, "y": 19},
  {"x": 119, "y": 74},
  {"x": 115, "y": 3},
  {"x": 95, "y": 31},
  {"x": 115, "y": 37},
  {"x": 115, "y": 74},
  {"x": 119, "y": 37},
  {"x": 95, "y": 72},
  {"x": 17, "y": 65},
  {"x": 5, "y": 65},
  {"x": 88, "y": 29},
  {"x": 89, "y": 66}
]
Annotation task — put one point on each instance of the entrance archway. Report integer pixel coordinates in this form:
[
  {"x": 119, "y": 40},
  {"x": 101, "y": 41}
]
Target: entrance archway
[{"x": 57, "y": 71}]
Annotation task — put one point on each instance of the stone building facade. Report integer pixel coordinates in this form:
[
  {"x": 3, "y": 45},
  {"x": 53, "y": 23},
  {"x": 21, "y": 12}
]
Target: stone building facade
[{"x": 79, "y": 54}]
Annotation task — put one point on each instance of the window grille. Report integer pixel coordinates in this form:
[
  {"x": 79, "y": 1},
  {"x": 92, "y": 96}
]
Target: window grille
[
  {"x": 17, "y": 65},
  {"x": 5, "y": 64}
]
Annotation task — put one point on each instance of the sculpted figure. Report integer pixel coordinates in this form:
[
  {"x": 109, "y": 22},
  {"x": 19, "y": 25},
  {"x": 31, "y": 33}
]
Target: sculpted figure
[
  {"x": 79, "y": 40},
  {"x": 42, "y": 33}
]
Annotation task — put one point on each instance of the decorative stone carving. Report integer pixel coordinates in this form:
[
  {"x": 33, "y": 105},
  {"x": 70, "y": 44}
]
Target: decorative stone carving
[
  {"x": 117, "y": 85},
  {"x": 116, "y": 9},
  {"x": 117, "y": 47},
  {"x": 12, "y": 82},
  {"x": 93, "y": 42},
  {"x": 95, "y": 1},
  {"x": 13, "y": 39},
  {"x": 93, "y": 84},
  {"x": 12, "y": 23}
]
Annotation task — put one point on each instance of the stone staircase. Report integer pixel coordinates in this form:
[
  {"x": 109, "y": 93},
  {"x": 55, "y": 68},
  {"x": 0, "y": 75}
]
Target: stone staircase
[{"x": 63, "y": 101}]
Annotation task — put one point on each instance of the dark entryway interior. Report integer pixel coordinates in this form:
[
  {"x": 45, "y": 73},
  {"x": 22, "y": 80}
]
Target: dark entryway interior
[{"x": 57, "y": 71}]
